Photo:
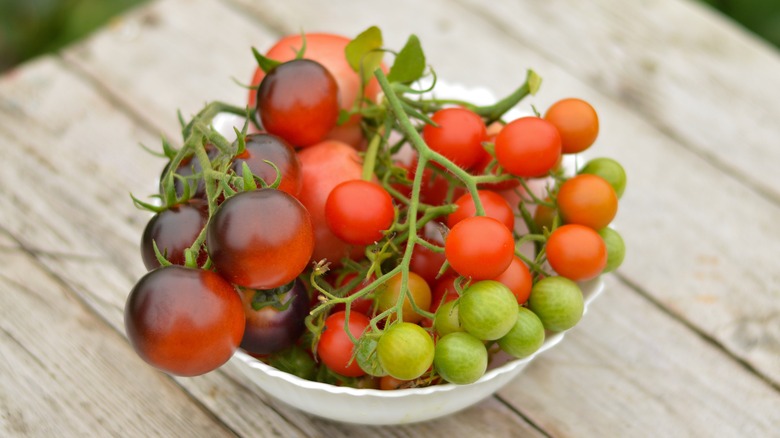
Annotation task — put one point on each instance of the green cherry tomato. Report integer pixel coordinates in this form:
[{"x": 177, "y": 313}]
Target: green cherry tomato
[
  {"x": 525, "y": 337},
  {"x": 447, "y": 319},
  {"x": 616, "y": 248},
  {"x": 487, "y": 310},
  {"x": 460, "y": 358},
  {"x": 405, "y": 351},
  {"x": 558, "y": 303}
]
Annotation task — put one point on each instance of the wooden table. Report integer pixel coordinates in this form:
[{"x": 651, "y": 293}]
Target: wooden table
[{"x": 684, "y": 342}]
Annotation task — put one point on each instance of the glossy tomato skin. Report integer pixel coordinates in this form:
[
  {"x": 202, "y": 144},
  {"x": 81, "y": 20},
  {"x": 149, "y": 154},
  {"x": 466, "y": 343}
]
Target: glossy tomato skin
[
  {"x": 479, "y": 247},
  {"x": 518, "y": 279},
  {"x": 576, "y": 121},
  {"x": 260, "y": 239},
  {"x": 587, "y": 200},
  {"x": 184, "y": 321},
  {"x": 173, "y": 230},
  {"x": 390, "y": 292},
  {"x": 528, "y": 147},
  {"x": 328, "y": 50},
  {"x": 458, "y": 135},
  {"x": 358, "y": 212},
  {"x": 298, "y": 101},
  {"x": 576, "y": 252},
  {"x": 269, "y": 330},
  {"x": 323, "y": 167},
  {"x": 494, "y": 204},
  {"x": 264, "y": 146},
  {"x": 335, "y": 348}
]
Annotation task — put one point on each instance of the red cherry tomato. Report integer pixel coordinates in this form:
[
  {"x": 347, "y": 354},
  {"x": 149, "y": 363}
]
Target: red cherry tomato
[
  {"x": 577, "y": 122},
  {"x": 261, "y": 147},
  {"x": 587, "y": 200},
  {"x": 458, "y": 136},
  {"x": 479, "y": 247},
  {"x": 335, "y": 348},
  {"x": 298, "y": 101},
  {"x": 517, "y": 278},
  {"x": 358, "y": 212},
  {"x": 184, "y": 321},
  {"x": 260, "y": 239},
  {"x": 426, "y": 262},
  {"x": 528, "y": 147},
  {"x": 576, "y": 252},
  {"x": 494, "y": 204},
  {"x": 323, "y": 167}
]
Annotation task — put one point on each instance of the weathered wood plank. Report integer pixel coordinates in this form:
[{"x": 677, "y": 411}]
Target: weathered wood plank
[
  {"x": 638, "y": 373},
  {"x": 64, "y": 372},
  {"x": 693, "y": 266},
  {"x": 91, "y": 241},
  {"x": 684, "y": 67}
]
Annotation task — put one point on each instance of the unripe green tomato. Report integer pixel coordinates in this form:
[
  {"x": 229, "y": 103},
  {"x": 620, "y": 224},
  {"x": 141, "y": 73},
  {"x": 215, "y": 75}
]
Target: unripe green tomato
[
  {"x": 616, "y": 248},
  {"x": 487, "y": 309},
  {"x": 525, "y": 337},
  {"x": 405, "y": 351},
  {"x": 610, "y": 170},
  {"x": 447, "y": 320},
  {"x": 460, "y": 358},
  {"x": 558, "y": 303}
]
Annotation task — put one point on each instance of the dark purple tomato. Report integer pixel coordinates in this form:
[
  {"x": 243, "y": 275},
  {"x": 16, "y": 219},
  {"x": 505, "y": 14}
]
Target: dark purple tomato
[
  {"x": 188, "y": 167},
  {"x": 298, "y": 101},
  {"x": 261, "y": 239},
  {"x": 174, "y": 230},
  {"x": 268, "y": 329},
  {"x": 184, "y": 321},
  {"x": 260, "y": 147}
]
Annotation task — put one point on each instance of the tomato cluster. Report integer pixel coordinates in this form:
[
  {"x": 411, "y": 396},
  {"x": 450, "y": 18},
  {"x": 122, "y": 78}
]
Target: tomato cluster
[{"x": 367, "y": 241}]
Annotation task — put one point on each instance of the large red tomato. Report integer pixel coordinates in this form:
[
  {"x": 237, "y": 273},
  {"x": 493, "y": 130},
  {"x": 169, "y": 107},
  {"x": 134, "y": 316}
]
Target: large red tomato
[
  {"x": 328, "y": 50},
  {"x": 324, "y": 166}
]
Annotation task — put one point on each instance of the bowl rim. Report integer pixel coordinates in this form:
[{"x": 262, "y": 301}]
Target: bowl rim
[{"x": 591, "y": 289}]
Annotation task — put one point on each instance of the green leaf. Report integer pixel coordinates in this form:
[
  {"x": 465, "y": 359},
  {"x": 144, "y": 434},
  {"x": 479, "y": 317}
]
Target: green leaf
[
  {"x": 409, "y": 64},
  {"x": 364, "y": 53},
  {"x": 265, "y": 63}
]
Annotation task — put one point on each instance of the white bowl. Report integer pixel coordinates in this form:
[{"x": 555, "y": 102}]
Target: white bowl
[{"x": 377, "y": 407}]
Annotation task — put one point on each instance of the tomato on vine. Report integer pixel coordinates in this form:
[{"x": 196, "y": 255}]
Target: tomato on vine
[
  {"x": 335, "y": 348},
  {"x": 458, "y": 135},
  {"x": 299, "y": 101},
  {"x": 494, "y": 204},
  {"x": 173, "y": 231},
  {"x": 528, "y": 147},
  {"x": 268, "y": 147},
  {"x": 587, "y": 200},
  {"x": 358, "y": 212},
  {"x": 576, "y": 252},
  {"x": 576, "y": 121},
  {"x": 479, "y": 247},
  {"x": 418, "y": 292}
]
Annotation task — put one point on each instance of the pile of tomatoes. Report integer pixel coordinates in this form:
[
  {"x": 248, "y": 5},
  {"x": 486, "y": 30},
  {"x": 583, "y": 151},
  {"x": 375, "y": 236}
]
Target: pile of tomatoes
[{"x": 359, "y": 231}]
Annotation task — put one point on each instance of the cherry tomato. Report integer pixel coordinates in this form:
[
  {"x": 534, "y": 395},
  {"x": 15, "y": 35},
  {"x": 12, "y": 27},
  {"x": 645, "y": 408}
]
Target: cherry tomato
[
  {"x": 358, "y": 212},
  {"x": 174, "y": 230},
  {"x": 298, "y": 101},
  {"x": 494, "y": 204},
  {"x": 558, "y": 303},
  {"x": 525, "y": 337},
  {"x": 184, "y": 321},
  {"x": 458, "y": 136},
  {"x": 528, "y": 147},
  {"x": 426, "y": 263},
  {"x": 610, "y": 170},
  {"x": 389, "y": 294},
  {"x": 335, "y": 348},
  {"x": 405, "y": 351},
  {"x": 390, "y": 383},
  {"x": 460, "y": 358},
  {"x": 487, "y": 310},
  {"x": 544, "y": 216},
  {"x": 576, "y": 252},
  {"x": 269, "y": 329},
  {"x": 479, "y": 247},
  {"x": 323, "y": 167},
  {"x": 260, "y": 239},
  {"x": 587, "y": 200},
  {"x": 328, "y": 50},
  {"x": 576, "y": 121},
  {"x": 616, "y": 248},
  {"x": 518, "y": 279},
  {"x": 262, "y": 147}
]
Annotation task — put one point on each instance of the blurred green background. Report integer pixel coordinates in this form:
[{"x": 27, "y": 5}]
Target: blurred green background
[{"x": 31, "y": 27}]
